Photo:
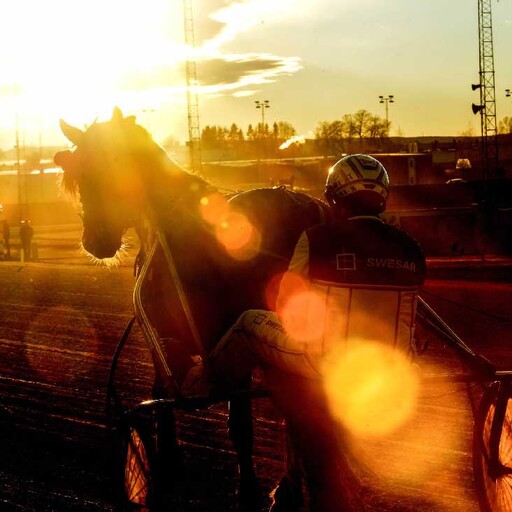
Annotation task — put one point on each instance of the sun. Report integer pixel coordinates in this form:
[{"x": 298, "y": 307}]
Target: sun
[{"x": 76, "y": 59}]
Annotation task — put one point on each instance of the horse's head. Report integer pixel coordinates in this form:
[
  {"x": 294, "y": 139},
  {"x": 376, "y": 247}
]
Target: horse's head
[{"x": 105, "y": 170}]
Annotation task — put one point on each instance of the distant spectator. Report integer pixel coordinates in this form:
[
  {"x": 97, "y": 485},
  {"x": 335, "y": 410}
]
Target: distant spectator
[
  {"x": 6, "y": 232},
  {"x": 26, "y": 234}
]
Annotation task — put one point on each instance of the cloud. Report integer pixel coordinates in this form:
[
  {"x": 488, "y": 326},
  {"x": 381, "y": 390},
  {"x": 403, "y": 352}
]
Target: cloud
[
  {"x": 211, "y": 27},
  {"x": 206, "y": 27},
  {"x": 219, "y": 74},
  {"x": 228, "y": 18},
  {"x": 220, "y": 71},
  {"x": 248, "y": 68},
  {"x": 243, "y": 94}
]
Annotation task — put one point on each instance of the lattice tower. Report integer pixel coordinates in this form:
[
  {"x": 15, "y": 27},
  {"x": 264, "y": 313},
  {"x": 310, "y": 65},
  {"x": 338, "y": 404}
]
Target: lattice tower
[
  {"x": 487, "y": 90},
  {"x": 194, "y": 131}
]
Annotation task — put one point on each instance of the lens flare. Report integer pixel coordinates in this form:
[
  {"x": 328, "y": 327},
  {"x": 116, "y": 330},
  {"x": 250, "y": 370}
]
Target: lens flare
[
  {"x": 371, "y": 388},
  {"x": 303, "y": 317},
  {"x": 240, "y": 238},
  {"x": 233, "y": 229},
  {"x": 213, "y": 208},
  {"x": 272, "y": 290},
  {"x": 59, "y": 363},
  {"x": 291, "y": 284}
]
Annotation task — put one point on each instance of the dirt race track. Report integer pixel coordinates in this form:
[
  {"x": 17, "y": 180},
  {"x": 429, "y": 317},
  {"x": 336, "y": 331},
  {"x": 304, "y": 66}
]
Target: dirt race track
[{"x": 59, "y": 325}]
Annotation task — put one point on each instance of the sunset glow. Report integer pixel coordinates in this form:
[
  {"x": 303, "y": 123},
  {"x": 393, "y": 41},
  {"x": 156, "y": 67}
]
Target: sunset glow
[
  {"x": 77, "y": 61},
  {"x": 77, "y": 68}
]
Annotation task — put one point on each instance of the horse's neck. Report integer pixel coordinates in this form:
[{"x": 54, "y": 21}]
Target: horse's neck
[
  {"x": 169, "y": 188},
  {"x": 170, "y": 184}
]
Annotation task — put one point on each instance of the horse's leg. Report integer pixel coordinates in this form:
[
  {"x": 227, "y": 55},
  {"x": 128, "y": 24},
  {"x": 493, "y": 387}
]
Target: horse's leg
[{"x": 242, "y": 436}]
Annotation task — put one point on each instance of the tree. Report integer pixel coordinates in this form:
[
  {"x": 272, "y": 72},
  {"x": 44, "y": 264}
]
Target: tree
[
  {"x": 235, "y": 133},
  {"x": 284, "y": 130},
  {"x": 214, "y": 136},
  {"x": 348, "y": 126},
  {"x": 251, "y": 133},
  {"x": 468, "y": 132},
  {"x": 361, "y": 120},
  {"x": 330, "y": 136},
  {"x": 262, "y": 131},
  {"x": 376, "y": 128},
  {"x": 505, "y": 125}
]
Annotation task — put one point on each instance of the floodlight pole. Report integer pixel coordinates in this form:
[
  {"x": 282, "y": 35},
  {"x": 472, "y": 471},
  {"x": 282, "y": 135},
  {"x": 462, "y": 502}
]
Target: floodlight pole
[
  {"x": 262, "y": 105},
  {"x": 387, "y": 99}
]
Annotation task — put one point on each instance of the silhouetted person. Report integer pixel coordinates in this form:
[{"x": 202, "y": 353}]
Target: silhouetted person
[
  {"x": 26, "y": 234},
  {"x": 366, "y": 274},
  {"x": 6, "y": 232}
]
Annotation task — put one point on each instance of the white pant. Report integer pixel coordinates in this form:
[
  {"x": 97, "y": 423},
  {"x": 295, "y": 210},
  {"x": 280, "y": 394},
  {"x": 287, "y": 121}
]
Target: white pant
[{"x": 258, "y": 339}]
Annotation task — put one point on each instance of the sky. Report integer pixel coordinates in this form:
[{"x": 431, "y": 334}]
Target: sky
[{"x": 312, "y": 60}]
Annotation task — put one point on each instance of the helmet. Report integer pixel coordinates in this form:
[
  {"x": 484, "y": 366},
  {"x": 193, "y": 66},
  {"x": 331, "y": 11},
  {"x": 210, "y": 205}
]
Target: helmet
[{"x": 359, "y": 180}]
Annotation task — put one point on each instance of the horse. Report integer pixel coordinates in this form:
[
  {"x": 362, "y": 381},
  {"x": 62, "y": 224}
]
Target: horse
[{"x": 124, "y": 180}]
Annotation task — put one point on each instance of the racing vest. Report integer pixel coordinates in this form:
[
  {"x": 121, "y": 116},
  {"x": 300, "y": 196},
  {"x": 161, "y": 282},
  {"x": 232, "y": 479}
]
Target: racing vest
[{"x": 367, "y": 274}]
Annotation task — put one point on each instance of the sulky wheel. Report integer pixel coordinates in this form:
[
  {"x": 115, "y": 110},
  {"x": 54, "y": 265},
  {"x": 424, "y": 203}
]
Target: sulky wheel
[
  {"x": 138, "y": 481},
  {"x": 492, "y": 449},
  {"x": 150, "y": 462}
]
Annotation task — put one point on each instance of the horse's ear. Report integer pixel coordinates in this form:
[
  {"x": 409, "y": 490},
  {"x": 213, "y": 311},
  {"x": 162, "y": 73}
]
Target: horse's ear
[
  {"x": 130, "y": 119},
  {"x": 73, "y": 134},
  {"x": 117, "y": 115}
]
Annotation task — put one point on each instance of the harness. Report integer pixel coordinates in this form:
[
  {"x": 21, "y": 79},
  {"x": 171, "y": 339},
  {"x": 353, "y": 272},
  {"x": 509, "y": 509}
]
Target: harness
[{"x": 161, "y": 316}]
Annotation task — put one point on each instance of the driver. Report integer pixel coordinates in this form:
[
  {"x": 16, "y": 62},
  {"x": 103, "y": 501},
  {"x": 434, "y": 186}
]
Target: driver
[{"x": 367, "y": 274}]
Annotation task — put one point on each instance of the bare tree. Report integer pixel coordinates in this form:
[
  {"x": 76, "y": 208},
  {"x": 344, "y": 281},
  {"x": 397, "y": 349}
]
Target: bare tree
[
  {"x": 468, "y": 132},
  {"x": 348, "y": 126},
  {"x": 362, "y": 120},
  {"x": 330, "y": 136},
  {"x": 505, "y": 125},
  {"x": 376, "y": 128}
]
